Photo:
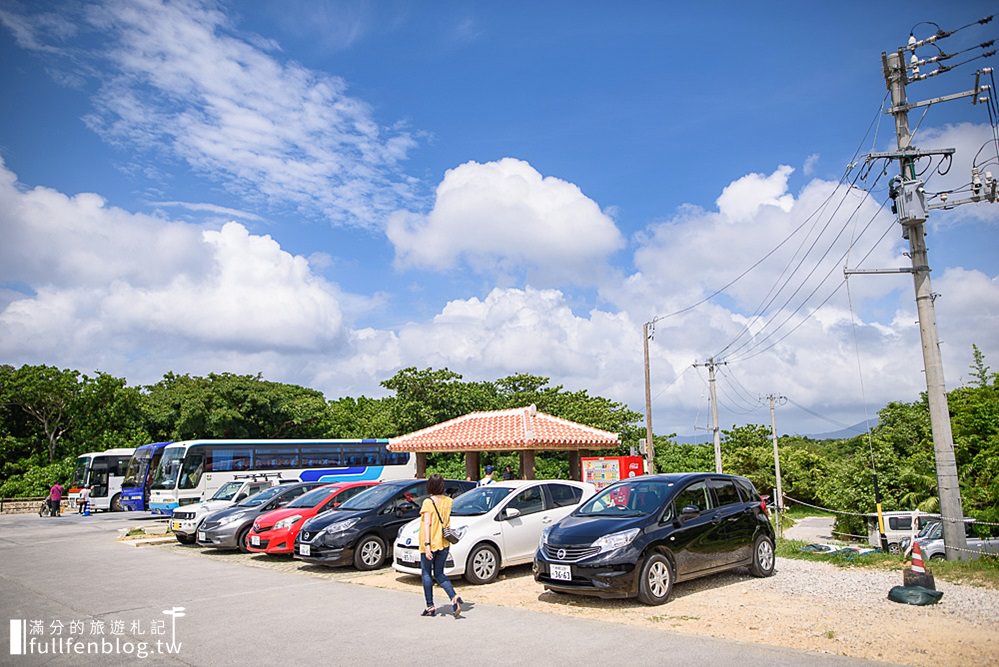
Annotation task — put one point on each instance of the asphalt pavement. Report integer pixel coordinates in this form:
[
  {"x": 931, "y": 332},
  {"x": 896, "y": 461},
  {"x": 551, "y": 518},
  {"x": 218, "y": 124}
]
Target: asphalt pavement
[{"x": 69, "y": 587}]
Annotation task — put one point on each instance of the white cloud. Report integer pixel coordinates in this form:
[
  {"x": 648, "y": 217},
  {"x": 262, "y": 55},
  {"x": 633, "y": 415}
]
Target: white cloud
[
  {"x": 504, "y": 218},
  {"x": 741, "y": 199},
  {"x": 177, "y": 81},
  {"x": 105, "y": 285}
]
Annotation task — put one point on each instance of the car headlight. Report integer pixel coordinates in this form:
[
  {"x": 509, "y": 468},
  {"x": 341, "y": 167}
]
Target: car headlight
[
  {"x": 229, "y": 519},
  {"x": 544, "y": 537},
  {"x": 288, "y": 523},
  {"x": 341, "y": 526},
  {"x": 616, "y": 540}
]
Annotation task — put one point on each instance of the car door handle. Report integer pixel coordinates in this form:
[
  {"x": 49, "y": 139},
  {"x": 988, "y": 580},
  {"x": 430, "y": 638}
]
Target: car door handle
[{"x": 547, "y": 519}]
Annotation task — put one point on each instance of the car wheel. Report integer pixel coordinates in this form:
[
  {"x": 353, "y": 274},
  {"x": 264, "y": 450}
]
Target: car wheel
[
  {"x": 763, "y": 557},
  {"x": 893, "y": 548},
  {"x": 369, "y": 553},
  {"x": 938, "y": 557},
  {"x": 185, "y": 539},
  {"x": 656, "y": 580},
  {"x": 243, "y": 540},
  {"x": 482, "y": 566}
]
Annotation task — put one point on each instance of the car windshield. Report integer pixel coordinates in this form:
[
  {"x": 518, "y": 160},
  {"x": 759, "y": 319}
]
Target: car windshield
[
  {"x": 262, "y": 497},
  {"x": 312, "y": 498},
  {"x": 628, "y": 499},
  {"x": 372, "y": 498},
  {"x": 227, "y": 491},
  {"x": 479, "y": 501}
]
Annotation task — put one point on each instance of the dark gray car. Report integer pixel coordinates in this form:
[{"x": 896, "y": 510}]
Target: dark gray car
[{"x": 229, "y": 528}]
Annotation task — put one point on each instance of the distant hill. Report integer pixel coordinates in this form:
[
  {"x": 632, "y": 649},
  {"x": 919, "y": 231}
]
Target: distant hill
[{"x": 850, "y": 432}]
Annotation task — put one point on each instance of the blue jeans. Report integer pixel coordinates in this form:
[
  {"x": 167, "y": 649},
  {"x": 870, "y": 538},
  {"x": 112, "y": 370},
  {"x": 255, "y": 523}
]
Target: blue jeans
[{"x": 437, "y": 565}]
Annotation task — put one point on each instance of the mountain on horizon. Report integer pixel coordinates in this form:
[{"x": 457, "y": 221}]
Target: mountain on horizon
[{"x": 842, "y": 434}]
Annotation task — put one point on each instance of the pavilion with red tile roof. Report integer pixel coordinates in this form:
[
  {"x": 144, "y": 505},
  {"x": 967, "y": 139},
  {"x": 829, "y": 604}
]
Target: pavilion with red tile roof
[{"x": 524, "y": 430}]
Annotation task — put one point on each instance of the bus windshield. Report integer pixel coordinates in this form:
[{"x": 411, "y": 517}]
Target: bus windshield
[
  {"x": 137, "y": 467},
  {"x": 81, "y": 470},
  {"x": 227, "y": 491},
  {"x": 169, "y": 468}
]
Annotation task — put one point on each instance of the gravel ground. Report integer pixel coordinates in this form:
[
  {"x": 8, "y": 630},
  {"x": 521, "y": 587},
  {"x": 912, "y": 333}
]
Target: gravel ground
[{"x": 806, "y": 605}]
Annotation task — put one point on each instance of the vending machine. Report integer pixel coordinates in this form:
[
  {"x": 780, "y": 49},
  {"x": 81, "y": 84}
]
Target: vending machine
[{"x": 601, "y": 471}]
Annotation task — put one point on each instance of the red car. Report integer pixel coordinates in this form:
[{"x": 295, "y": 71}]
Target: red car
[{"x": 274, "y": 532}]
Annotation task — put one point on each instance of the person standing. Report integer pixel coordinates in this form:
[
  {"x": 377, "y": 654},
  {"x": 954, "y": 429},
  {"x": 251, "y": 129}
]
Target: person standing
[
  {"x": 435, "y": 515},
  {"x": 83, "y": 499},
  {"x": 488, "y": 479},
  {"x": 55, "y": 499},
  {"x": 508, "y": 473}
]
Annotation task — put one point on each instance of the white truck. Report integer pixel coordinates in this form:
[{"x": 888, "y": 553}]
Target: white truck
[{"x": 184, "y": 521}]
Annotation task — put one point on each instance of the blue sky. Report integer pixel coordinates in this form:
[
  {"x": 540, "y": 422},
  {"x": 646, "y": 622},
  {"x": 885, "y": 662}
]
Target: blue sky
[{"x": 327, "y": 192}]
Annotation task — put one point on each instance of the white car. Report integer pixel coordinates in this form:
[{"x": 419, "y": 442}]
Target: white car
[
  {"x": 184, "y": 521},
  {"x": 500, "y": 525}
]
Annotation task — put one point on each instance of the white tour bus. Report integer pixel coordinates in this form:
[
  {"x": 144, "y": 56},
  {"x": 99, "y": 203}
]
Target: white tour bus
[
  {"x": 103, "y": 472},
  {"x": 192, "y": 470}
]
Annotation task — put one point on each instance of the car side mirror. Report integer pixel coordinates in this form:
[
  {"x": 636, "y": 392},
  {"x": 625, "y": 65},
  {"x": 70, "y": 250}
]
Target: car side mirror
[
  {"x": 511, "y": 513},
  {"x": 689, "y": 512}
]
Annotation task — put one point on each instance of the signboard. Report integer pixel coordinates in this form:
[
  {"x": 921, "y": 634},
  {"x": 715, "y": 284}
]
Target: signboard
[{"x": 601, "y": 471}]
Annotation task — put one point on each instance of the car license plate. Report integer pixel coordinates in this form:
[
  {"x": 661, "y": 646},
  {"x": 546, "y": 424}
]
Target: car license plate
[
  {"x": 176, "y": 525},
  {"x": 407, "y": 555},
  {"x": 305, "y": 550},
  {"x": 201, "y": 536},
  {"x": 255, "y": 540},
  {"x": 561, "y": 572}
]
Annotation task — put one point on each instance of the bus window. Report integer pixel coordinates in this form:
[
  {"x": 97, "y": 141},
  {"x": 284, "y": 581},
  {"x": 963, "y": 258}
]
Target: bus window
[
  {"x": 80, "y": 472},
  {"x": 228, "y": 459},
  {"x": 275, "y": 458},
  {"x": 363, "y": 455},
  {"x": 194, "y": 465},
  {"x": 321, "y": 456}
]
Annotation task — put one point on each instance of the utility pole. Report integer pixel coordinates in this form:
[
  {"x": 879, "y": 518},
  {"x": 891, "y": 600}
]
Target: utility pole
[
  {"x": 907, "y": 192},
  {"x": 711, "y": 363},
  {"x": 649, "y": 446},
  {"x": 773, "y": 432}
]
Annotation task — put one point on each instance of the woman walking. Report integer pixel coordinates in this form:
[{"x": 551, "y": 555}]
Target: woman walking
[{"x": 435, "y": 515}]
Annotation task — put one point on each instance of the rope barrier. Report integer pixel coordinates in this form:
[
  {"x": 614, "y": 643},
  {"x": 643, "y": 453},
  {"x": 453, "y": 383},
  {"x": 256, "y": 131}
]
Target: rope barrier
[{"x": 832, "y": 511}]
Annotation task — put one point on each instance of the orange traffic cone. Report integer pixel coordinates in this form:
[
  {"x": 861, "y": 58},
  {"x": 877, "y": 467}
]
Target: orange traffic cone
[{"x": 917, "y": 574}]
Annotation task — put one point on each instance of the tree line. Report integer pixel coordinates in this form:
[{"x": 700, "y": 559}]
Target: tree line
[{"x": 48, "y": 416}]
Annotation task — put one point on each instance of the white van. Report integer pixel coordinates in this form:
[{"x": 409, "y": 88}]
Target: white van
[{"x": 898, "y": 526}]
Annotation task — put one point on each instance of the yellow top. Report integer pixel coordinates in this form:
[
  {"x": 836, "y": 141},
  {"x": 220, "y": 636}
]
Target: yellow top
[{"x": 436, "y": 539}]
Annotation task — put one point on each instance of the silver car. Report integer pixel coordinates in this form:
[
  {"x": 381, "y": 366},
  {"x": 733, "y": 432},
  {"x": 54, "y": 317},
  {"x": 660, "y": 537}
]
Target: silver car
[{"x": 931, "y": 541}]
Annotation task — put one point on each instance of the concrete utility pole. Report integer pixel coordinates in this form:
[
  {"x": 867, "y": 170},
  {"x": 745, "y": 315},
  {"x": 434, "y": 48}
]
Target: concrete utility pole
[
  {"x": 773, "y": 432},
  {"x": 649, "y": 445},
  {"x": 910, "y": 204},
  {"x": 710, "y": 363}
]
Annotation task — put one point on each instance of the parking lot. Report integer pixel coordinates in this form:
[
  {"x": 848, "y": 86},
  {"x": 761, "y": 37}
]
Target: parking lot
[{"x": 245, "y": 607}]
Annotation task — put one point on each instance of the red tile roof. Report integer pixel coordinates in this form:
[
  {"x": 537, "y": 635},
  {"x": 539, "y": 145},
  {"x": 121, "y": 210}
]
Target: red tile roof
[{"x": 519, "y": 428}]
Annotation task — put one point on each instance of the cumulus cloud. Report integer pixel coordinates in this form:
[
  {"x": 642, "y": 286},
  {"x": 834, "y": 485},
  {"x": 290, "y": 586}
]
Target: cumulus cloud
[
  {"x": 101, "y": 283},
  {"x": 504, "y": 218},
  {"x": 177, "y": 81}
]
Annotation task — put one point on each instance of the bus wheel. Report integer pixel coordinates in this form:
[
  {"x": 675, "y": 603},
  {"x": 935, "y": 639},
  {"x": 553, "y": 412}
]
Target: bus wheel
[{"x": 116, "y": 503}]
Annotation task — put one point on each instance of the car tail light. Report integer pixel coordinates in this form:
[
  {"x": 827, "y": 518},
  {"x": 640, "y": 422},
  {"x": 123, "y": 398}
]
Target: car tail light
[{"x": 763, "y": 503}]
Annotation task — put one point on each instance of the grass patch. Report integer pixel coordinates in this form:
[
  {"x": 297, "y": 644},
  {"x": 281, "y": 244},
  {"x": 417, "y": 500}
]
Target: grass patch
[
  {"x": 981, "y": 572},
  {"x": 681, "y": 617},
  {"x": 135, "y": 532}
]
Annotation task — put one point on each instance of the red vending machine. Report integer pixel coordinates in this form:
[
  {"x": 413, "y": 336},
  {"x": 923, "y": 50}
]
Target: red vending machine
[{"x": 601, "y": 471}]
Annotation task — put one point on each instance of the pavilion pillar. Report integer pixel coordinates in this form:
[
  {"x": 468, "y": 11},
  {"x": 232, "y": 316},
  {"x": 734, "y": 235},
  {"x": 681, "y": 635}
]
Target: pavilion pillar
[
  {"x": 575, "y": 465},
  {"x": 527, "y": 464},
  {"x": 421, "y": 465},
  {"x": 472, "y": 466}
]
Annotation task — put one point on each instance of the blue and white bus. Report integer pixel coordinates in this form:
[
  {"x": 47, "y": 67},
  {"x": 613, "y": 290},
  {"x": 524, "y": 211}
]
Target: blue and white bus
[
  {"x": 192, "y": 470},
  {"x": 103, "y": 472},
  {"x": 139, "y": 476}
]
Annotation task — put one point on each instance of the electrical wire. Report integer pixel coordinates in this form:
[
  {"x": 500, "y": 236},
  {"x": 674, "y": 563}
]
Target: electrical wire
[
  {"x": 846, "y": 173},
  {"x": 751, "y": 342},
  {"x": 832, "y": 421}
]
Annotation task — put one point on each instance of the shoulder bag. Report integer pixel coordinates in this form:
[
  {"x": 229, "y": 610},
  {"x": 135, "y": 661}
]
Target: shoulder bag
[{"x": 450, "y": 535}]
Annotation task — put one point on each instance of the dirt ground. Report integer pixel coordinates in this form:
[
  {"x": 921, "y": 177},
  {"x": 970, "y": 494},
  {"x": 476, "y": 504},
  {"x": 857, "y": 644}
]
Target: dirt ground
[{"x": 739, "y": 607}]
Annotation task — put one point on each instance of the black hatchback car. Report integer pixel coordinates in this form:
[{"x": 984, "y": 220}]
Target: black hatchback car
[
  {"x": 637, "y": 537},
  {"x": 362, "y": 530}
]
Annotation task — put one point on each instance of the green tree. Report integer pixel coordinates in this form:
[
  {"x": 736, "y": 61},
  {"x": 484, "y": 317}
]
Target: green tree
[
  {"x": 980, "y": 373},
  {"x": 46, "y": 394}
]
